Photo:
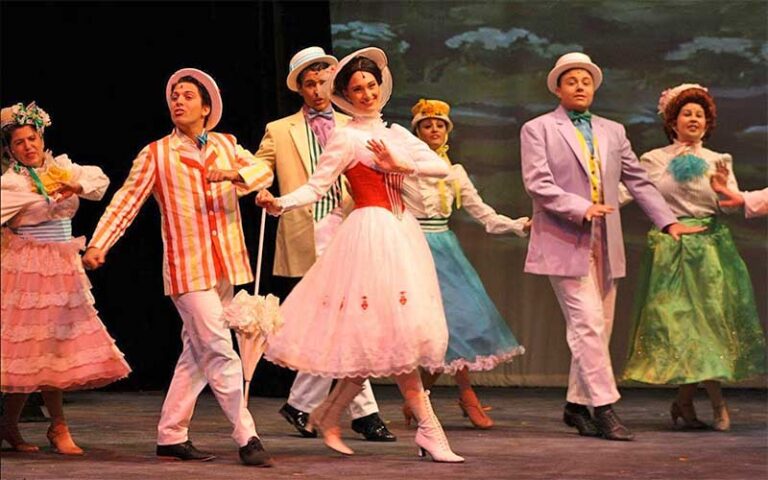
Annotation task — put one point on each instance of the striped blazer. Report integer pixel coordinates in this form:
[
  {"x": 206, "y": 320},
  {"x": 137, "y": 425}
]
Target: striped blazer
[{"x": 201, "y": 224}]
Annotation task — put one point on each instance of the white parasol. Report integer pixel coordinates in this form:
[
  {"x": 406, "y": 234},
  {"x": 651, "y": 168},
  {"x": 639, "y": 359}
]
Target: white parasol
[{"x": 253, "y": 318}]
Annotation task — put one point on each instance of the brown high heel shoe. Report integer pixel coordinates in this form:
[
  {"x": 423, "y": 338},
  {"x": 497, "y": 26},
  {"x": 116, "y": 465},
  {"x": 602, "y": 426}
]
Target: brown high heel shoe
[
  {"x": 61, "y": 440},
  {"x": 12, "y": 435},
  {"x": 722, "y": 418},
  {"x": 688, "y": 414},
  {"x": 472, "y": 408}
]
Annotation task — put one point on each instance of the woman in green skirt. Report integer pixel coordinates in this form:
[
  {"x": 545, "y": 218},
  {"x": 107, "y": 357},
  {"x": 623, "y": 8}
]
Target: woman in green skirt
[{"x": 695, "y": 318}]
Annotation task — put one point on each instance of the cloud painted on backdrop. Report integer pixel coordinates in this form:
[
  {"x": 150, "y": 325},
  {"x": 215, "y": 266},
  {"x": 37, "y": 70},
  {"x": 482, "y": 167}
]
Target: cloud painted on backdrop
[
  {"x": 365, "y": 34},
  {"x": 493, "y": 38},
  {"x": 741, "y": 47}
]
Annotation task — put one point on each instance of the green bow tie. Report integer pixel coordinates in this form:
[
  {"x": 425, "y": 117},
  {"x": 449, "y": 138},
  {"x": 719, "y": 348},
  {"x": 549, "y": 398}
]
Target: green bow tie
[{"x": 577, "y": 116}]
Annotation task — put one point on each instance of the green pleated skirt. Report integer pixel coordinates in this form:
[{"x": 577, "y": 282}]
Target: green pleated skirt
[{"x": 694, "y": 316}]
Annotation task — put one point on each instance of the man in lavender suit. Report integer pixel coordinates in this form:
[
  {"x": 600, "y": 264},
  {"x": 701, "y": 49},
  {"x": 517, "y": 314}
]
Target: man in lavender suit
[{"x": 572, "y": 163}]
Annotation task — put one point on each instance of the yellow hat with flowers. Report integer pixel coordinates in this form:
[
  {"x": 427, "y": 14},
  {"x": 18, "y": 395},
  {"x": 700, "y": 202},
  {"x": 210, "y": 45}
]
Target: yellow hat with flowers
[{"x": 425, "y": 108}]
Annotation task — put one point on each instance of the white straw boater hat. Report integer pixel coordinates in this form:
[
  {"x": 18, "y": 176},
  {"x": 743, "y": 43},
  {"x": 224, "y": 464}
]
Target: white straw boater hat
[
  {"x": 302, "y": 60},
  {"x": 378, "y": 57},
  {"x": 570, "y": 61},
  {"x": 209, "y": 83}
]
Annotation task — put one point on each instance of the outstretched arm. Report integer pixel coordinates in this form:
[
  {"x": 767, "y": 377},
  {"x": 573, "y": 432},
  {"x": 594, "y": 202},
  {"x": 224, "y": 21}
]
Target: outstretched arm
[
  {"x": 122, "y": 210},
  {"x": 482, "y": 212},
  {"x": 337, "y": 156}
]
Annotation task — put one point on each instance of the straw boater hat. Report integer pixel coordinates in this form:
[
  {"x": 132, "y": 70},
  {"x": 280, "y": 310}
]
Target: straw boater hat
[
  {"x": 570, "y": 61},
  {"x": 378, "y": 57},
  {"x": 302, "y": 60},
  {"x": 431, "y": 109},
  {"x": 209, "y": 83}
]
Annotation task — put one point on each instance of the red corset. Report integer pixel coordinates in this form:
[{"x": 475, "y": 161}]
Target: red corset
[{"x": 371, "y": 188}]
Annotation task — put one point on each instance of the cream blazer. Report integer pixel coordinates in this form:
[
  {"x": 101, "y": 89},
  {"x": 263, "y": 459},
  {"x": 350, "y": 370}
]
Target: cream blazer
[{"x": 285, "y": 148}]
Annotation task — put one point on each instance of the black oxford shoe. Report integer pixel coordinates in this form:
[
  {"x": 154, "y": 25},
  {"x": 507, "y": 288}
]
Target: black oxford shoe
[
  {"x": 611, "y": 428},
  {"x": 373, "y": 429},
  {"x": 183, "y": 451},
  {"x": 581, "y": 420},
  {"x": 298, "y": 419},
  {"x": 253, "y": 453}
]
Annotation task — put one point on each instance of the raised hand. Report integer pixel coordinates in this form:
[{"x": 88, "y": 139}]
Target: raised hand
[
  {"x": 719, "y": 179},
  {"x": 384, "y": 159},
  {"x": 719, "y": 183}
]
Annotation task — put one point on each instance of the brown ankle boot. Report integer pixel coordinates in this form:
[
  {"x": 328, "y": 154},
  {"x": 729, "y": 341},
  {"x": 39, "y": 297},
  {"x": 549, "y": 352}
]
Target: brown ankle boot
[
  {"x": 722, "y": 418},
  {"x": 10, "y": 433},
  {"x": 61, "y": 440},
  {"x": 472, "y": 408},
  {"x": 687, "y": 413}
]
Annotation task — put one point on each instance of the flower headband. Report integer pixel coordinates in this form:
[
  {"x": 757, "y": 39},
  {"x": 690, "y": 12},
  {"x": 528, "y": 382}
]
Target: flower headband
[
  {"x": 668, "y": 95},
  {"x": 29, "y": 115}
]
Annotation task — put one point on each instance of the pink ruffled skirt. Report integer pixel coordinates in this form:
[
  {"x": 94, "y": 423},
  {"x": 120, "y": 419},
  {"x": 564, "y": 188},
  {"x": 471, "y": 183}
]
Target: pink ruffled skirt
[{"x": 52, "y": 337}]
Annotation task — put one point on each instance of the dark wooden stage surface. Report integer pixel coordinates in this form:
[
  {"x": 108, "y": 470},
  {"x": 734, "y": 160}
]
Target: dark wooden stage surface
[{"x": 529, "y": 442}]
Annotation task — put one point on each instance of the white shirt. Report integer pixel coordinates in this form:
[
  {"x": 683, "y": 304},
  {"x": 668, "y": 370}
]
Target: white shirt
[{"x": 422, "y": 198}]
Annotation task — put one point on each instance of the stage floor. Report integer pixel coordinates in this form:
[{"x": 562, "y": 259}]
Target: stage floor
[{"x": 529, "y": 441}]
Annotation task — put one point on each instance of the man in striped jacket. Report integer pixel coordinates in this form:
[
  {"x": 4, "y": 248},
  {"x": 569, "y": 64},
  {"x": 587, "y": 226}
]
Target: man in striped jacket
[{"x": 196, "y": 177}]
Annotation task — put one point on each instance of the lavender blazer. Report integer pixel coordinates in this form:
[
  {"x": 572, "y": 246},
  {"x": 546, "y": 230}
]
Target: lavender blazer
[{"x": 556, "y": 178}]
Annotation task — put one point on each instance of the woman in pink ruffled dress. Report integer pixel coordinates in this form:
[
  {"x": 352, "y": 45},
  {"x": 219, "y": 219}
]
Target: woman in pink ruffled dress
[
  {"x": 52, "y": 338},
  {"x": 370, "y": 306}
]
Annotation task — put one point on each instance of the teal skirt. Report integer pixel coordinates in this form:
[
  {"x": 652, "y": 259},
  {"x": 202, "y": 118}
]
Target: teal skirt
[
  {"x": 694, "y": 316},
  {"x": 478, "y": 337}
]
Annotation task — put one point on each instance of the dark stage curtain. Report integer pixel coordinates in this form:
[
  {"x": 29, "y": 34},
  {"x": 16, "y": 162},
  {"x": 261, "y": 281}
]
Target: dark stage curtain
[{"x": 100, "y": 69}]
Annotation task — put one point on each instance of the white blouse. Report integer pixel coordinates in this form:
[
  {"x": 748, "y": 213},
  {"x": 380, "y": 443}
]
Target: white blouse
[
  {"x": 22, "y": 205},
  {"x": 348, "y": 146},
  {"x": 422, "y": 198},
  {"x": 694, "y": 198}
]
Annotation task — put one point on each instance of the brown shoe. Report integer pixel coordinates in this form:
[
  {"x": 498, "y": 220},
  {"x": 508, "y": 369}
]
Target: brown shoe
[
  {"x": 11, "y": 434},
  {"x": 688, "y": 414},
  {"x": 472, "y": 408},
  {"x": 722, "y": 419},
  {"x": 61, "y": 440}
]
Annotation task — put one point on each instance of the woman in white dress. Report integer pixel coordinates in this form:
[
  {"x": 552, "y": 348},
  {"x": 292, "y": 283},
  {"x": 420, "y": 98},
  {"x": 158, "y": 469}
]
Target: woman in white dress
[{"x": 371, "y": 305}]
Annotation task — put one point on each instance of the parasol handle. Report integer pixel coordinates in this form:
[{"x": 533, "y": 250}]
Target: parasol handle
[
  {"x": 246, "y": 392},
  {"x": 261, "y": 249}
]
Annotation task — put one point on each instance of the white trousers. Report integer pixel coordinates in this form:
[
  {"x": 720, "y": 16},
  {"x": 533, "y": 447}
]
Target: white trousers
[
  {"x": 207, "y": 357},
  {"x": 309, "y": 391},
  {"x": 588, "y": 307}
]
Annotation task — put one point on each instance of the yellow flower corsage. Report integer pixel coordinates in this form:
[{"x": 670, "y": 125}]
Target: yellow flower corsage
[{"x": 54, "y": 176}]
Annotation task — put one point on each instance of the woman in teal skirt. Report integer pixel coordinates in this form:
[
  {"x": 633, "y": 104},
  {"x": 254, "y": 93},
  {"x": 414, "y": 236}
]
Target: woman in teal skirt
[
  {"x": 478, "y": 337},
  {"x": 695, "y": 319}
]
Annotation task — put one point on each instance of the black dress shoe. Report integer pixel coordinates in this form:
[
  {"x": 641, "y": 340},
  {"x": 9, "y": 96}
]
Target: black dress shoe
[
  {"x": 253, "y": 453},
  {"x": 298, "y": 419},
  {"x": 580, "y": 418},
  {"x": 610, "y": 427},
  {"x": 183, "y": 451},
  {"x": 373, "y": 429}
]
